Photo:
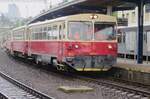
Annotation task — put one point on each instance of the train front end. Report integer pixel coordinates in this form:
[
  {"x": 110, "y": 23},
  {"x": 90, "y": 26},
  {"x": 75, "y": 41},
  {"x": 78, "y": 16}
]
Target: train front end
[{"x": 91, "y": 45}]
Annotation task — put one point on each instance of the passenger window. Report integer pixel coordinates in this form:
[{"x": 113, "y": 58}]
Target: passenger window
[
  {"x": 27, "y": 33},
  {"x": 55, "y": 33},
  {"x": 18, "y": 35},
  {"x": 36, "y": 33},
  {"x": 148, "y": 40},
  {"x": 44, "y": 33},
  {"x": 40, "y": 34},
  {"x": 119, "y": 36},
  {"x": 32, "y": 33},
  {"x": 49, "y": 33},
  {"x": 124, "y": 37},
  {"x": 60, "y": 32},
  {"x": 145, "y": 37}
]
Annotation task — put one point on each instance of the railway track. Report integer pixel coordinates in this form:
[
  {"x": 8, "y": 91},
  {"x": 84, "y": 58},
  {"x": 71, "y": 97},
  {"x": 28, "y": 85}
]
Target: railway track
[
  {"x": 13, "y": 89},
  {"x": 119, "y": 89},
  {"x": 3, "y": 96},
  {"x": 116, "y": 89}
]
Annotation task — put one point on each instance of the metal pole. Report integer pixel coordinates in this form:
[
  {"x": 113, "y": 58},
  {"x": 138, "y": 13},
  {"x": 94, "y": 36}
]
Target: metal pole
[
  {"x": 140, "y": 32},
  {"x": 109, "y": 10}
]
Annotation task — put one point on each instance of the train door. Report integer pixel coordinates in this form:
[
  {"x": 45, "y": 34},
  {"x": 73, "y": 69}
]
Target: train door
[
  {"x": 26, "y": 42},
  {"x": 28, "y": 38},
  {"x": 61, "y": 40}
]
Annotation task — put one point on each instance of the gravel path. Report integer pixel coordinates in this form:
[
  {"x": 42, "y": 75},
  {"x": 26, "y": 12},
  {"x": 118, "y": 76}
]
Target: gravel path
[{"x": 44, "y": 81}]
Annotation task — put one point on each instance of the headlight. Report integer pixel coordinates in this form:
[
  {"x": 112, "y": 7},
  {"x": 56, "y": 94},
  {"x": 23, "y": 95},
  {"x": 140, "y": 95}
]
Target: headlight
[
  {"x": 109, "y": 46},
  {"x": 93, "y": 16},
  {"x": 76, "y": 46}
]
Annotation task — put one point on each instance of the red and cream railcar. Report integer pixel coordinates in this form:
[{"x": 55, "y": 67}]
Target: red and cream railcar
[
  {"x": 6, "y": 43},
  {"x": 84, "y": 42},
  {"x": 19, "y": 43}
]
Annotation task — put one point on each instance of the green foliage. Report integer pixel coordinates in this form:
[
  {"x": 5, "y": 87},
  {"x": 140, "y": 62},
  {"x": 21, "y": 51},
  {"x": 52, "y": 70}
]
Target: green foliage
[
  {"x": 11, "y": 22},
  {"x": 114, "y": 14}
]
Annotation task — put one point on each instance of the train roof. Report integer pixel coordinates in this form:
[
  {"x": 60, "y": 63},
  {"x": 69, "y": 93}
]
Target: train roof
[
  {"x": 47, "y": 21},
  {"x": 77, "y": 17},
  {"x": 80, "y": 17},
  {"x": 18, "y": 28},
  {"x": 89, "y": 17}
]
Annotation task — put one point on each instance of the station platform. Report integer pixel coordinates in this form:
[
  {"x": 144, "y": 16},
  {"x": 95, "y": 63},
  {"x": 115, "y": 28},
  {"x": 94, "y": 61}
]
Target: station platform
[{"x": 131, "y": 65}]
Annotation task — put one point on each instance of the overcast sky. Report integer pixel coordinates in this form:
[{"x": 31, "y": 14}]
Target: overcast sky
[{"x": 26, "y": 7}]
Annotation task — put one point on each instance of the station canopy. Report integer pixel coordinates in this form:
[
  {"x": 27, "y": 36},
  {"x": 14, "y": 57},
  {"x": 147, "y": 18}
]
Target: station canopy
[{"x": 86, "y": 6}]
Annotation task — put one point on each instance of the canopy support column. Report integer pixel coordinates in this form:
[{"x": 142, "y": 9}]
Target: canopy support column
[
  {"x": 109, "y": 10},
  {"x": 140, "y": 32}
]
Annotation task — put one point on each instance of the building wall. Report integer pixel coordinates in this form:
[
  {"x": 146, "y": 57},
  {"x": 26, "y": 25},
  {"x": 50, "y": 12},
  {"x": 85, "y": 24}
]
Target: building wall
[{"x": 132, "y": 16}]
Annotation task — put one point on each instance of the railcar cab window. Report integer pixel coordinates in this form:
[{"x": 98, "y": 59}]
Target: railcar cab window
[
  {"x": 104, "y": 31},
  {"x": 80, "y": 30}
]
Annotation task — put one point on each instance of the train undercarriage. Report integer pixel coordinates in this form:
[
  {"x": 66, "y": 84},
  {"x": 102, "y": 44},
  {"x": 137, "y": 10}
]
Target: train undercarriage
[{"x": 77, "y": 63}]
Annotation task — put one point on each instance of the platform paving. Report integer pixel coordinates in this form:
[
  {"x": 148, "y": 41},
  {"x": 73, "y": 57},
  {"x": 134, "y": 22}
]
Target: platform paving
[
  {"x": 129, "y": 64},
  {"x": 69, "y": 89}
]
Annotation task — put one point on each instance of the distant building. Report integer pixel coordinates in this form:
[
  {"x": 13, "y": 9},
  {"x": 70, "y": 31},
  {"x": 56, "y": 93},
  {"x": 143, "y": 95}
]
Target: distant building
[
  {"x": 13, "y": 11},
  {"x": 132, "y": 16}
]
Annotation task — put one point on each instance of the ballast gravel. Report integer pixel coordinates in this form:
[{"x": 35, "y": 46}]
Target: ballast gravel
[{"x": 47, "y": 82}]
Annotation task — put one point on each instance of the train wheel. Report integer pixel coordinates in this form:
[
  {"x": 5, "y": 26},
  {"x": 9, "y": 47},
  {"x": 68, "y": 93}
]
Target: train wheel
[
  {"x": 15, "y": 54},
  {"x": 55, "y": 63},
  {"x": 38, "y": 60}
]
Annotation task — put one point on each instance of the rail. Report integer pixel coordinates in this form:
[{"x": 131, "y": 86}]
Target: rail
[
  {"x": 3, "y": 96},
  {"x": 24, "y": 87},
  {"x": 118, "y": 86},
  {"x": 106, "y": 83}
]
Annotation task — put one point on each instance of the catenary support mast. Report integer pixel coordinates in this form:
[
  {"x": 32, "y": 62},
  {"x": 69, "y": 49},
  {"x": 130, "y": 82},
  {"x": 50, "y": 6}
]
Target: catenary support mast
[{"x": 140, "y": 4}]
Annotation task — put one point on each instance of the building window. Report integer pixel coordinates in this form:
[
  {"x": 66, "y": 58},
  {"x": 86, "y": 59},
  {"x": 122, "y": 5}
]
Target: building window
[
  {"x": 127, "y": 15},
  {"x": 133, "y": 17},
  {"x": 147, "y": 13},
  {"x": 147, "y": 17},
  {"x": 147, "y": 8}
]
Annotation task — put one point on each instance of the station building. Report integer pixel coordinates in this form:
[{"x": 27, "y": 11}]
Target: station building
[
  {"x": 132, "y": 15},
  {"x": 127, "y": 40}
]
